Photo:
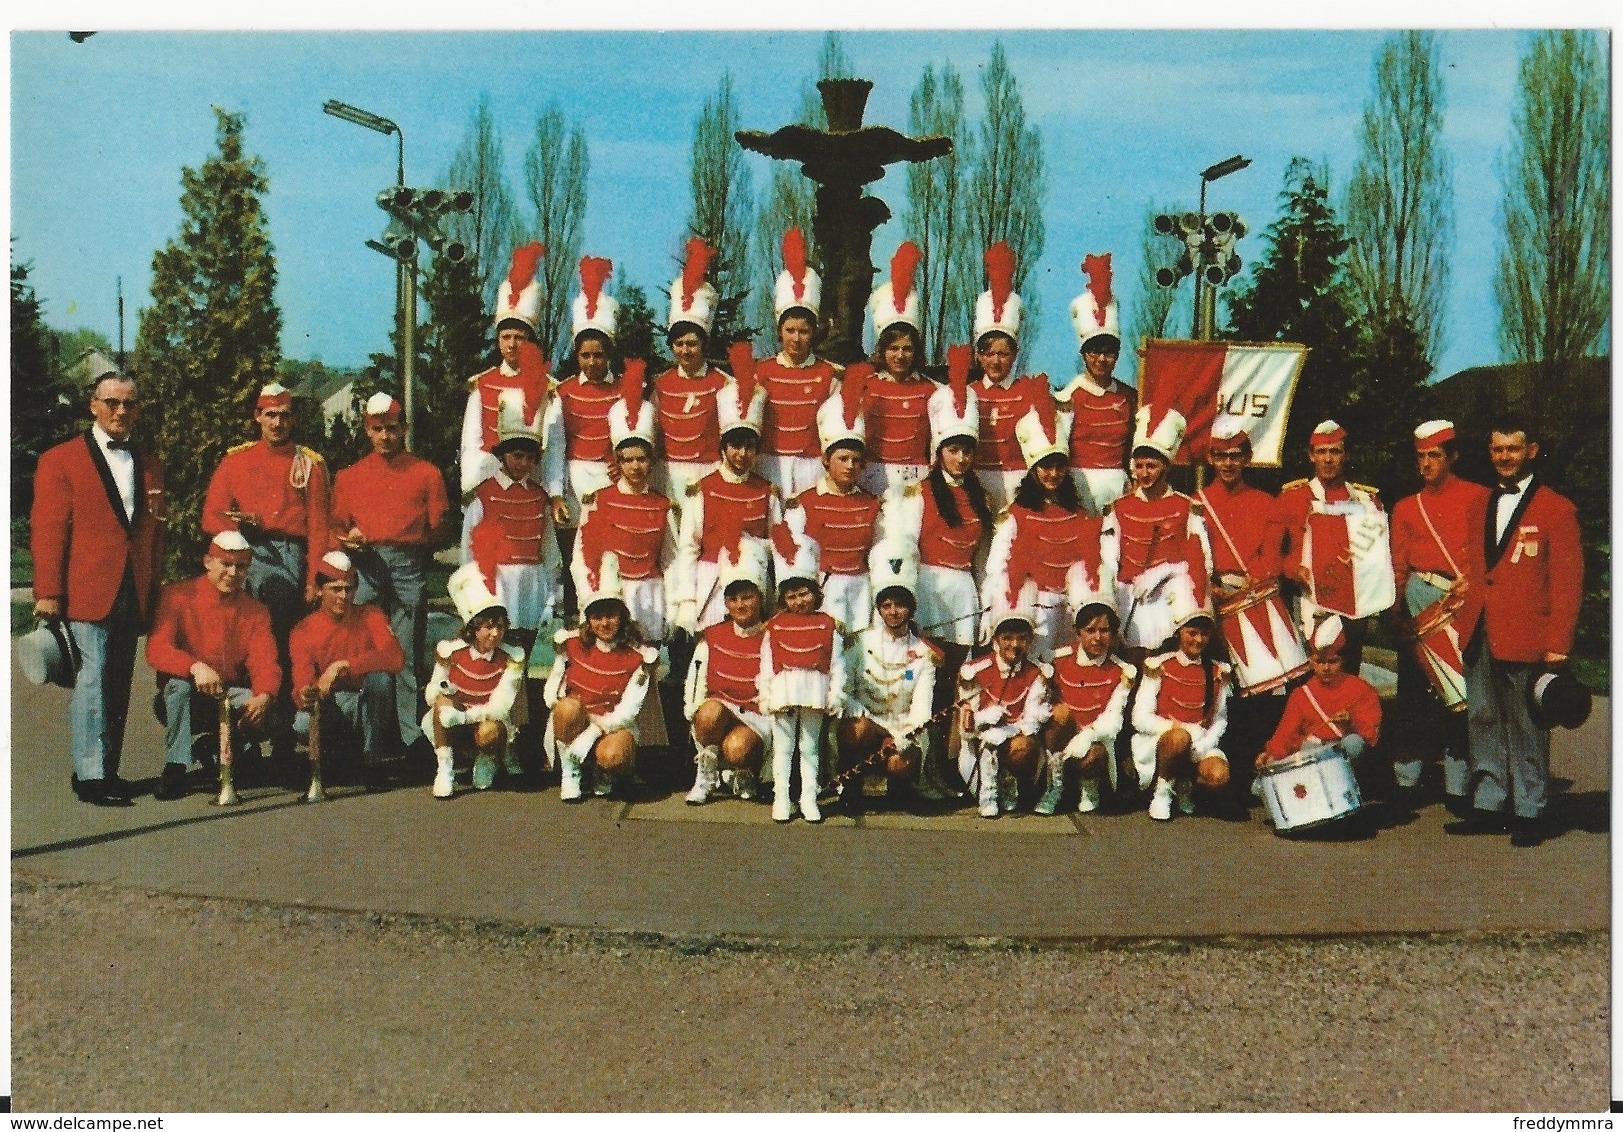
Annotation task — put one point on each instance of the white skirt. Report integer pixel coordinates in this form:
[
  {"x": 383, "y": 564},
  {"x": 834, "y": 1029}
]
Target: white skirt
[
  {"x": 645, "y": 598},
  {"x": 791, "y": 475},
  {"x": 1099, "y": 486},
  {"x": 949, "y": 604},
  {"x": 1000, "y": 487},
  {"x": 848, "y": 598},
  {"x": 798, "y": 687},
  {"x": 877, "y": 478},
  {"x": 673, "y": 477},
  {"x": 1144, "y": 752},
  {"x": 583, "y": 478},
  {"x": 525, "y": 591},
  {"x": 707, "y": 588}
]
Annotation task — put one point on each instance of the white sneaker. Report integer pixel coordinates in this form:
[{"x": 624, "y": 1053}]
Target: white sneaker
[
  {"x": 782, "y": 808},
  {"x": 568, "y": 776},
  {"x": 1088, "y": 800},
  {"x": 1008, "y": 792},
  {"x": 744, "y": 785},
  {"x": 704, "y": 780},
  {"x": 444, "y": 780},
  {"x": 484, "y": 770},
  {"x": 1184, "y": 794},
  {"x": 1161, "y": 801}
]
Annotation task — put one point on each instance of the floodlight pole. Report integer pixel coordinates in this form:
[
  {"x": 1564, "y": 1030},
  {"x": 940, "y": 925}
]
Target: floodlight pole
[{"x": 1205, "y": 294}]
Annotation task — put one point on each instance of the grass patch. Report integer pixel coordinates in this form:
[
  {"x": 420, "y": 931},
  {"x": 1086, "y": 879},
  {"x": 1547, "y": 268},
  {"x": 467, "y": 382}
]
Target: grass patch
[{"x": 22, "y": 567}]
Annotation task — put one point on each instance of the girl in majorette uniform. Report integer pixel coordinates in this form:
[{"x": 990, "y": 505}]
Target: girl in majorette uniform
[
  {"x": 1003, "y": 397},
  {"x": 596, "y": 691},
  {"x": 896, "y": 400},
  {"x": 1101, "y": 407},
  {"x": 685, "y": 394},
  {"x": 1044, "y": 532},
  {"x": 1007, "y": 704},
  {"x": 730, "y": 731},
  {"x": 730, "y": 504},
  {"x": 476, "y": 680},
  {"x": 1090, "y": 699},
  {"x": 796, "y": 380},
  {"x": 629, "y": 518},
  {"x": 586, "y": 396},
  {"x": 802, "y": 678},
  {"x": 893, "y": 677},
  {"x": 837, "y": 514},
  {"x": 1179, "y": 716}
]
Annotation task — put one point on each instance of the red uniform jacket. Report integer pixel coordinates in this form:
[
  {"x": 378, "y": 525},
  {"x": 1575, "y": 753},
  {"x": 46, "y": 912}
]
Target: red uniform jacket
[
  {"x": 1350, "y": 702},
  {"x": 257, "y": 479},
  {"x": 1101, "y": 426},
  {"x": 898, "y": 419},
  {"x": 1002, "y": 406},
  {"x": 951, "y": 548},
  {"x": 686, "y": 407},
  {"x": 1047, "y": 542},
  {"x": 1535, "y": 582},
  {"x": 1246, "y": 531},
  {"x": 599, "y": 677},
  {"x": 400, "y": 501},
  {"x": 792, "y": 398},
  {"x": 734, "y": 665},
  {"x": 1457, "y": 509},
  {"x": 802, "y": 640},
  {"x": 1155, "y": 531},
  {"x": 586, "y": 406},
  {"x": 843, "y": 525},
  {"x": 731, "y": 511},
  {"x": 81, "y": 541},
  {"x": 362, "y": 637},
  {"x": 230, "y": 634},
  {"x": 633, "y": 525}
]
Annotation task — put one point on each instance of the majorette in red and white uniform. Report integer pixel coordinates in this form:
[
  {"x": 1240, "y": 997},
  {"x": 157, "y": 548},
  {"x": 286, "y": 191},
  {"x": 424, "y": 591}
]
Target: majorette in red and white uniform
[
  {"x": 689, "y": 431},
  {"x": 583, "y": 404},
  {"x": 723, "y": 507},
  {"x": 507, "y": 527},
  {"x": 1102, "y": 408},
  {"x": 518, "y": 304},
  {"x": 1338, "y": 533},
  {"x": 1044, "y": 546},
  {"x": 1004, "y": 400},
  {"x": 1163, "y": 560},
  {"x": 895, "y": 405},
  {"x": 1006, "y": 700},
  {"x": 1173, "y": 693},
  {"x": 639, "y": 527},
  {"x": 1095, "y": 691},
  {"x": 948, "y": 593},
  {"x": 791, "y": 459}
]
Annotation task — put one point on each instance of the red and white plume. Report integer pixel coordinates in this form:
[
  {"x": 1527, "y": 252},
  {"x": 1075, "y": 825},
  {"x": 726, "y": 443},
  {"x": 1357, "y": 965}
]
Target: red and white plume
[
  {"x": 741, "y": 403},
  {"x": 692, "y": 299},
  {"x": 1000, "y": 276},
  {"x": 896, "y": 300},
  {"x": 794, "y": 260},
  {"x": 693, "y": 270},
  {"x": 958, "y": 375},
  {"x": 798, "y": 287},
  {"x": 1097, "y": 269},
  {"x": 594, "y": 272},
  {"x": 632, "y": 416},
  {"x": 518, "y": 297},
  {"x": 840, "y": 417},
  {"x": 954, "y": 409},
  {"x": 533, "y": 373},
  {"x": 1094, "y": 313}
]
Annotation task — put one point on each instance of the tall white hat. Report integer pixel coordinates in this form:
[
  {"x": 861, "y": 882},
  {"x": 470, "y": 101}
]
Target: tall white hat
[
  {"x": 692, "y": 299},
  {"x": 1094, "y": 312},
  {"x": 999, "y": 307},
  {"x": 751, "y": 562},
  {"x": 1163, "y": 434},
  {"x": 897, "y": 300},
  {"x": 840, "y": 417},
  {"x": 954, "y": 409},
  {"x": 798, "y": 286},
  {"x": 795, "y": 554},
  {"x": 514, "y": 419},
  {"x": 741, "y": 403},
  {"x": 518, "y": 297},
  {"x": 592, "y": 309},
  {"x": 631, "y": 417},
  {"x": 1023, "y": 608},
  {"x": 1039, "y": 435},
  {"x": 893, "y": 562},
  {"x": 602, "y": 584}
]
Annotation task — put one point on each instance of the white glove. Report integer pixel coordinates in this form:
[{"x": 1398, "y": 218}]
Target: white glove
[
  {"x": 687, "y": 615},
  {"x": 582, "y": 744},
  {"x": 452, "y": 716}
]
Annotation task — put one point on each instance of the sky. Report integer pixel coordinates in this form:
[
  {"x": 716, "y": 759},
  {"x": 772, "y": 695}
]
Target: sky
[{"x": 101, "y": 130}]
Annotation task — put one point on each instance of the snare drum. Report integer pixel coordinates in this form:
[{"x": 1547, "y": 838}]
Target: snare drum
[
  {"x": 1310, "y": 788},
  {"x": 1263, "y": 643},
  {"x": 1437, "y": 647}
]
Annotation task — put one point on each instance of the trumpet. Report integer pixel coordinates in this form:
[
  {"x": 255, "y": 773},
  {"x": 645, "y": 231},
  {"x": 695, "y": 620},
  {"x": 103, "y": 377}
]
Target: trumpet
[
  {"x": 228, "y": 787},
  {"x": 315, "y": 793}
]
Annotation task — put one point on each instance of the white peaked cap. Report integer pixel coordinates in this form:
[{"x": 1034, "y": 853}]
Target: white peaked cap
[
  {"x": 1433, "y": 434},
  {"x": 470, "y": 592},
  {"x": 1225, "y": 429},
  {"x": 510, "y": 420},
  {"x": 381, "y": 404},
  {"x": 339, "y": 563},
  {"x": 893, "y": 562},
  {"x": 1036, "y": 445},
  {"x": 751, "y": 562},
  {"x": 832, "y": 426},
  {"x": 1165, "y": 437},
  {"x": 1329, "y": 634},
  {"x": 518, "y": 296},
  {"x": 231, "y": 541}
]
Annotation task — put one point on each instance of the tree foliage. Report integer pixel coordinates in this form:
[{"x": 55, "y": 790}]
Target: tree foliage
[
  {"x": 555, "y": 174},
  {"x": 1399, "y": 205},
  {"x": 211, "y": 337},
  {"x": 1553, "y": 277},
  {"x": 1008, "y": 182},
  {"x": 722, "y": 213},
  {"x": 456, "y": 343},
  {"x": 46, "y": 407},
  {"x": 936, "y": 218},
  {"x": 1151, "y": 315},
  {"x": 489, "y": 229},
  {"x": 641, "y": 334}
]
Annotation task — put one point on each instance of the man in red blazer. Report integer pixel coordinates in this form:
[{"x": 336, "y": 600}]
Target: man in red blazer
[
  {"x": 1534, "y": 587},
  {"x": 98, "y": 547}
]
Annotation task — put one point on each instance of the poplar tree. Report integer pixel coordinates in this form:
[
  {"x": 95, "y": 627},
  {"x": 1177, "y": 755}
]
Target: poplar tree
[
  {"x": 722, "y": 213},
  {"x": 555, "y": 174},
  {"x": 936, "y": 217}
]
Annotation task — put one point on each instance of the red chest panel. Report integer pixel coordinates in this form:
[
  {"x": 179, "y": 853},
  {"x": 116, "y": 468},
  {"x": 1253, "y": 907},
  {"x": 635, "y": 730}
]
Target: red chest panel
[
  {"x": 1011, "y": 693},
  {"x": 843, "y": 526},
  {"x": 1183, "y": 691},
  {"x": 792, "y": 398},
  {"x": 491, "y": 385},
  {"x": 1001, "y": 409},
  {"x": 1100, "y": 428},
  {"x": 1152, "y": 532},
  {"x": 898, "y": 419},
  {"x": 633, "y": 526},
  {"x": 1047, "y": 542},
  {"x": 1085, "y": 688},
  {"x": 735, "y": 661},
  {"x": 949, "y": 547},
  {"x": 520, "y": 513},
  {"x": 474, "y": 679},
  {"x": 687, "y": 415},
  {"x": 586, "y": 417},
  {"x": 802, "y": 640},
  {"x": 732, "y": 510},
  {"x": 597, "y": 678}
]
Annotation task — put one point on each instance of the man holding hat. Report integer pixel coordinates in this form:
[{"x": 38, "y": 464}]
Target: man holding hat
[
  {"x": 211, "y": 639},
  {"x": 796, "y": 380},
  {"x": 1102, "y": 408},
  {"x": 345, "y": 657},
  {"x": 390, "y": 512},
  {"x": 1534, "y": 590},
  {"x": 1437, "y": 568},
  {"x": 97, "y": 540}
]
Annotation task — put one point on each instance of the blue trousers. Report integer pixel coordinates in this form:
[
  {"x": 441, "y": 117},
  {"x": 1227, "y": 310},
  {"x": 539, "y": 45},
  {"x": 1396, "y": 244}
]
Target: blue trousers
[
  {"x": 1510, "y": 755},
  {"x": 393, "y": 577},
  {"x": 366, "y": 715},
  {"x": 100, "y": 701},
  {"x": 1425, "y": 720},
  {"x": 189, "y": 713}
]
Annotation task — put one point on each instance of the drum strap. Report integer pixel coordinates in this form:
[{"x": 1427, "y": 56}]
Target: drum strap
[
  {"x": 1324, "y": 715},
  {"x": 1217, "y": 521},
  {"x": 1420, "y": 501}
]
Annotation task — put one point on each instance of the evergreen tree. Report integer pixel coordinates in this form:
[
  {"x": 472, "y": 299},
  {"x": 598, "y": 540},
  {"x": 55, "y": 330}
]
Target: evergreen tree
[
  {"x": 641, "y": 334},
  {"x": 212, "y": 335},
  {"x": 45, "y": 407},
  {"x": 456, "y": 344}
]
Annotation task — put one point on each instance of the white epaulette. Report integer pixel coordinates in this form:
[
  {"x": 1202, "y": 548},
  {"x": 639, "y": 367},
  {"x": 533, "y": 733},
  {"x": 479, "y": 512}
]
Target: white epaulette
[
  {"x": 650, "y": 655},
  {"x": 1152, "y": 664},
  {"x": 561, "y": 636},
  {"x": 974, "y": 667},
  {"x": 445, "y": 650},
  {"x": 1044, "y": 667},
  {"x": 1066, "y": 651},
  {"x": 914, "y": 488},
  {"x": 515, "y": 655},
  {"x": 1128, "y": 672}
]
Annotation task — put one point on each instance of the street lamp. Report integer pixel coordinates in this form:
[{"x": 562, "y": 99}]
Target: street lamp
[
  {"x": 372, "y": 122},
  {"x": 1209, "y": 253}
]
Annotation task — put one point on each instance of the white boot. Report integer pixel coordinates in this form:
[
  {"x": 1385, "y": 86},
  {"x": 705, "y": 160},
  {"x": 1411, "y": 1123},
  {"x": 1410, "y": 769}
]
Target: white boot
[
  {"x": 1049, "y": 802},
  {"x": 1008, "y": 793},
  {"x": 783, "y": 808},
  {"x": 443, "y": 777},
  {"x": 986, "y": 768},
  {"x": 809, "y": 763},
  {"x": 484, "y": 770},
  {"x": 704, "y": 782},
  {"x": 1088, "y": 800},
  {"x": 1161, "y": 800},
  {"x": 744, "y": 785},
  {"x": 568, "y": 775}
]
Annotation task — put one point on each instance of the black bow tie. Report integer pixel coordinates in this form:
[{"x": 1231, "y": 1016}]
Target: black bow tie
[
  {"x": 119, "y": 445},
  {"x": 1508, "y": 489}
]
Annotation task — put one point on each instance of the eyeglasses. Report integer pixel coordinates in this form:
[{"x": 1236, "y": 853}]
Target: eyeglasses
[{"x": 114, "y": 404}]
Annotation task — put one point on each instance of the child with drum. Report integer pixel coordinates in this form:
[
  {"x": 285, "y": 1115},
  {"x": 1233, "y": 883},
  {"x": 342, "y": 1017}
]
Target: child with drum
[
  {"x": 1090, "y": 700},
  {"x": 1179, "y": 716},
  {"x": 1334, "y": 708},
  {"x": 1007, "y": 694}
]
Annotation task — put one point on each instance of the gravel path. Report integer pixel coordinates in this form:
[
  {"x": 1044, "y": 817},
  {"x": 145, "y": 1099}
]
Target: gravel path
[{"x": 184, "y": 1004}]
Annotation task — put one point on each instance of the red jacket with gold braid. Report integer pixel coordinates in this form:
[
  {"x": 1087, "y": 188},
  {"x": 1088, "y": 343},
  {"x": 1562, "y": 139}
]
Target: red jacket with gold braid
[
  {"x": 229, "y": 633},
  {"x": 361, "y": 637},
  {"x": 585, "y": 406},
  {"x": 898, "y": 419},
  {"x": 1332, "y": 570},
  {"x": 732, "y": 665},
  {"x": 731, "y": 511},
  {"x": 1349, "y": 701},
  {"x": 1045, "y": 544},
  {"x": 1154, "y": 531},
  {"x": 951, "y": 548},
  {"x": 843, "y": 525},
  {"x": 488, "y": 387},
  {"x": 686, "y": 407},
  {"x": 1002, "y": 406},
  {"x": 632, "y": 524},
  {"x": 1252, "y": 523},
  {"x": 792, "y": 398},
  {"x": 1173, "y": 691},
  {"x": 258, "y": 479},
  {"x": 1006, "y": 704},
  {"x": 802, "y": 640},
  {"x": 1101, "y": 426},
  {"x": 1458, "y": 509},
  {"x": 599, "y": 677},
  {"x": 519, "y": 509}
]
